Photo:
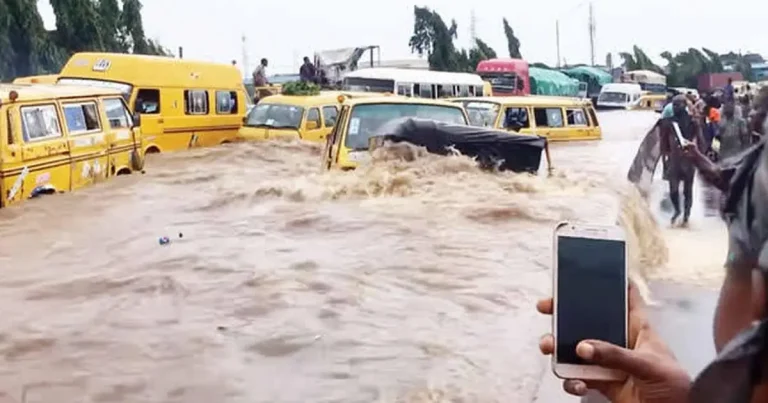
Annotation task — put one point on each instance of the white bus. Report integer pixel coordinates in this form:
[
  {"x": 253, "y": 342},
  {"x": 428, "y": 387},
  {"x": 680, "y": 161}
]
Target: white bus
[
  {"x": 414, "y": 83},
  {"x": 649, "y": 81},
  {"x": 618, "y": 95}
]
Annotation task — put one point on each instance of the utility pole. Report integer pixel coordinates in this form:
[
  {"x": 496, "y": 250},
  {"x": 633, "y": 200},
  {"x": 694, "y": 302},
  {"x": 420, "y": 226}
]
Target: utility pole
[
  {"x": 472, "y": 28},
  {"x": 245, "y": 55},
  {"x": 591, "y": 34},
  {"x": 557, "y": 35}
]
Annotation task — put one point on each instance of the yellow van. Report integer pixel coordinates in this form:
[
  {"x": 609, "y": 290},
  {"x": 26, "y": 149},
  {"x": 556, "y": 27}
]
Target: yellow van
[
  {"x": 182, "y": 103},
  {"x": 556, "y": 118},
  {"x": 60, "y": 138},
  {"x": 306, "y": 117},
  {"x": 43, "y": 79},
  {"x": 360, "y": 118},
  {"x": 649, "y": 102}
]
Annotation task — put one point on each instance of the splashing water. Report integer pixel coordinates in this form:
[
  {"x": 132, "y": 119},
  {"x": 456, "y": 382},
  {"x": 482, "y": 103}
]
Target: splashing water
[{"x": 410, "y": 279}]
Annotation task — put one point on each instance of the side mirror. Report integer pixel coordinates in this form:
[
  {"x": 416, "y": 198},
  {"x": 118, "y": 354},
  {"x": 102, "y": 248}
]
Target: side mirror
[
  {"x": 312, "y": 125},
  {"x": 136, "y": 119}
]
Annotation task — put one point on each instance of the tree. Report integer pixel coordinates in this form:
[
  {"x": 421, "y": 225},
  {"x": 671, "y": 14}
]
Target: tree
[
  {"x": 78, "y": 25},
  {"x": 7, "y": 65},
  {"x": 431, "y": 36},
  {"x": 81, "y": 25},
  {"x": 638, "y": 60},
  {"x": 513, "y": 44},
  {"x": 481, "y": 51},
  {"x": 114, "y": 35},
  {"x": 28, "y": 39},
  {"x": 684, "y": 68}
]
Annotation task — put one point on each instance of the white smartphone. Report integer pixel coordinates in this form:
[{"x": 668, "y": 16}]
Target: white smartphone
[
  {"x": 679, "y": 134},
  {"x": 590, "y": 296}
]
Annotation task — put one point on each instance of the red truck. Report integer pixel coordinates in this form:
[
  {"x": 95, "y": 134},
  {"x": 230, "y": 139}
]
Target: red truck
[
  {"x": 714, "y": 81},
  {"x": 507, "y": 76}
]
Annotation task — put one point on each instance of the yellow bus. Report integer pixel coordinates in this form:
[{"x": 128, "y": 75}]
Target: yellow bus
[
  {"x": 59, "y": 138},
  {"x": 182, "y": 103},
  {"x": 305, "y": 117},
  {"x": 360, "y": 118},
  {"x": 42, "y": 79},
  {"x": 556, "y": 118}
]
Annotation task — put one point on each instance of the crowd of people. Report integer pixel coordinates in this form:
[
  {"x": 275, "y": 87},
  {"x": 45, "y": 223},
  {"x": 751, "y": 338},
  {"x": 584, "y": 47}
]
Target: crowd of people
[
  {"x": 739, "y": 169},
  {"x": 722, "y": 125}
]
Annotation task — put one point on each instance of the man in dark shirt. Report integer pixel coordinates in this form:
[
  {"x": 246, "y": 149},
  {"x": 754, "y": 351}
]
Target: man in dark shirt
[
  {"x": 307, "y": 71},
  {"x": 728, "y": 91},
  {"x": 678, "y": 168}
]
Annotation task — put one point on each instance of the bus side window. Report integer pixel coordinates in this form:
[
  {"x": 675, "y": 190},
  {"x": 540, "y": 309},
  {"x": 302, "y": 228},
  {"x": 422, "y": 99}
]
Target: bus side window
[
  {"x": 576, "y": 117},
  {"x": 464, "y": 91},
  {"x": 148, "y": 102},
  {"x": 593, "y": 116},
  {"x": 516, "y": 118},
  {"x": 478, "y": 91},
  {"x": 548, "y": 117},
  {"x": 425, "y": 91},
  {"x": 196, "y": 102},
  {"x": 417, "y": 90},
  {"x": 444, "y": 91},
  {"x": 329, "y": 115},
  {"x": 404, "y": 89}
]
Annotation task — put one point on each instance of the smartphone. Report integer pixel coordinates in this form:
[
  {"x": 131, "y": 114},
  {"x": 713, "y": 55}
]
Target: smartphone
[
  {"x": 679, "y": 134},
  {"x": 590, "y": 296}
]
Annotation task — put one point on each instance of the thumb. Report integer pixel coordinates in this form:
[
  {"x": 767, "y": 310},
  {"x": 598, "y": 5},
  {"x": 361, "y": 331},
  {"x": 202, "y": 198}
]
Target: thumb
[{"x": 611, "y": 356}]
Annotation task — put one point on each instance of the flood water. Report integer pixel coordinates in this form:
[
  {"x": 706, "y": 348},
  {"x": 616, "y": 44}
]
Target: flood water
[{"x": 411, "y": 282}]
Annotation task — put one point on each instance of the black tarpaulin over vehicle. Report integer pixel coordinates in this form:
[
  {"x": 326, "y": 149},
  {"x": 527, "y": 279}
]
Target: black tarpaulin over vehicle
[{"x": 493, "y": 149}]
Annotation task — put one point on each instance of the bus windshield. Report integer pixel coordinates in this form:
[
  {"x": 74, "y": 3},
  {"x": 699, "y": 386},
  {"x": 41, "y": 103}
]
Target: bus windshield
[
  {"x": 482, "y": 114},
  {"x": 368, "y": 85},
  {"x": 125, "y": 89},
  {"x": 275, "y": 116},
  {"x": 614, "y": 97},
  {"x": 366, "y": 120}
]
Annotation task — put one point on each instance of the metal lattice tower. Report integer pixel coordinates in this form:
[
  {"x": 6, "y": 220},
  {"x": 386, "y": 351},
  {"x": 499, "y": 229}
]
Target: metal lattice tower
[
  {"x": 245, "y": 55},
  {"x": 592, "y": 30},
  {"x": 472, "y": 27}
]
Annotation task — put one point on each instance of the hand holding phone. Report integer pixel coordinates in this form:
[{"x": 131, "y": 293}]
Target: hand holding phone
[
  {"x": 590, "y": 296},
  {"x": 651, "y": 368},
  {"x": 679, "y": 134}
]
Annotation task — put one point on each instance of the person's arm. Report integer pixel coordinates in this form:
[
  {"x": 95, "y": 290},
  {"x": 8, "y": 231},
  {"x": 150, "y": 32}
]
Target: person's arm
[{"x": 710, "y": 171}]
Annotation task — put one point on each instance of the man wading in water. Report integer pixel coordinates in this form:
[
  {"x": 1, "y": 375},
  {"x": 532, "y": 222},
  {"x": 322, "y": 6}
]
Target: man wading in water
[{"x": 676, "y": 167}]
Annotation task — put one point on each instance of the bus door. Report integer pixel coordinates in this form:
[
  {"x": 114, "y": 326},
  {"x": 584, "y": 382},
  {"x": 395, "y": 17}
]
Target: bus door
[{"x": 148, "y": 105}]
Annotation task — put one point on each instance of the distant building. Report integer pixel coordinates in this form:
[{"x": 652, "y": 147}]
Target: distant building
[{"x": 760, "y": 71}]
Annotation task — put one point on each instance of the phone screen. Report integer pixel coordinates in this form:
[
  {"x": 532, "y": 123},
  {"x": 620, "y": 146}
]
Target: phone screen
[{"x": 591, "y": 290}]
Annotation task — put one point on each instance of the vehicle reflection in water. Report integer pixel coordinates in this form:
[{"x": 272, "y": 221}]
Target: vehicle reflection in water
[{"x": 394, "y": 282}]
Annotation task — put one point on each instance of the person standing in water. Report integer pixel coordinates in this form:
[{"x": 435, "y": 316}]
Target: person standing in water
[{"x": 678, "y": 169}]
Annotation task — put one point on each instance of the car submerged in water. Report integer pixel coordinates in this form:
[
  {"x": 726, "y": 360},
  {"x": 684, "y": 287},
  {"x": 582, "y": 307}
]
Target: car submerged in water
[{"x": 439, "y": 126}]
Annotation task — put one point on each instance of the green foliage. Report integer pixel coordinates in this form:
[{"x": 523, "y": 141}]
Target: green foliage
[
  {"x": 513, "y": 44},
  {"x": 81, "y": 25},
  {"x": 481, "y": 51},
  {"x": 300, "y": 88},
  {"x": 433, "y": 37}
]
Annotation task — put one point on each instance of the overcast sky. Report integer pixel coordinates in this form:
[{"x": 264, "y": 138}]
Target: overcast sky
[{"x": 286, "y": 30}]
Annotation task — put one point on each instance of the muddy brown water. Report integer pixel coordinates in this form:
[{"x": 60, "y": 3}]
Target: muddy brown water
[{"x": 401, "y": 281}]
